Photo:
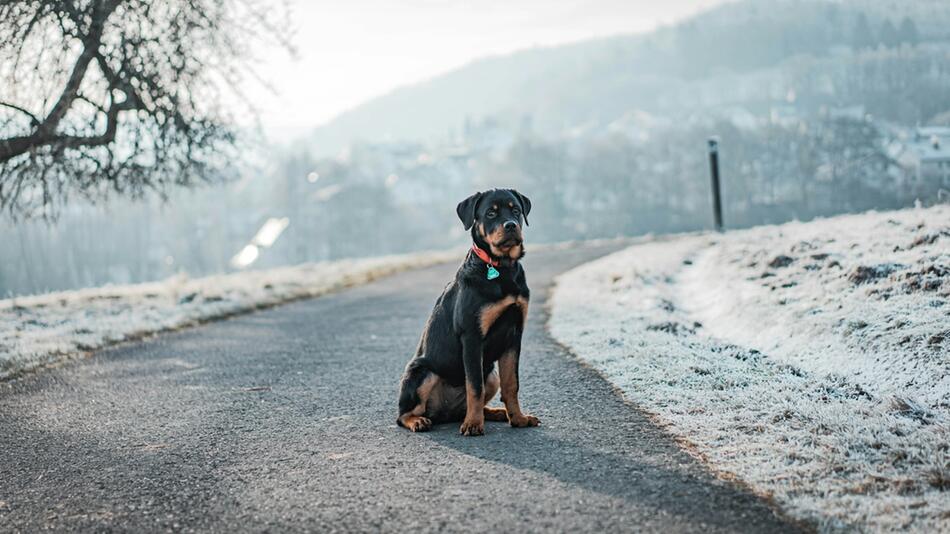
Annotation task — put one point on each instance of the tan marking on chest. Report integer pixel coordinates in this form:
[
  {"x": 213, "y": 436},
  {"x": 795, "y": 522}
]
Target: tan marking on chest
[{"x": 491, "y": 312}]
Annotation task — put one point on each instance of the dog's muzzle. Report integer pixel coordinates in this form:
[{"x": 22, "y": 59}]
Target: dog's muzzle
[{"x": 512, "y": 235}]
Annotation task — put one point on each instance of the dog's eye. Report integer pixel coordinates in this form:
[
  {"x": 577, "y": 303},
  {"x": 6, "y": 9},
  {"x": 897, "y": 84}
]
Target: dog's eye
[
  {"x": 491, "y": 214},
  {"x": 516, "y": 211}
]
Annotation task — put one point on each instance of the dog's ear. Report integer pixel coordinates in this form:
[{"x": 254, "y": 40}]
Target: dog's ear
[
  {"x": 466, "y": 210},
  {"x": 525, "y": 204}
]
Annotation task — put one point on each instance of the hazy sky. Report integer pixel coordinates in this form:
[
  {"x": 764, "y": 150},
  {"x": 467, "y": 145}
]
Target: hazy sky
[{"x": 352, "y": 50}]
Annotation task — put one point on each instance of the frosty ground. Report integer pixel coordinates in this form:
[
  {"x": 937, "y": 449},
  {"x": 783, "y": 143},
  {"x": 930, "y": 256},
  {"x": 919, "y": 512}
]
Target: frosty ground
[
  {"x": 47, "y": 329},
  {"x": 809, "y": 360}
]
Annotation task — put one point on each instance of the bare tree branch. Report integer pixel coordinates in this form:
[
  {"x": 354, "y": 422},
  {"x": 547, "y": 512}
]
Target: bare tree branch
[
  {"x": 128, "y": 95},
  {"x": 45, "y": 131},
  {"x": 33, "y": 120}
]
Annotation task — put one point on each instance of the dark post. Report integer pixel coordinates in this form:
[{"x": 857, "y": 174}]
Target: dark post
[{"x": 714, "y": 170}]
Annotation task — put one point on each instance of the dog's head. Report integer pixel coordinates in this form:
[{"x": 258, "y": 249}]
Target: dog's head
[{"x": 495, "y": 218}]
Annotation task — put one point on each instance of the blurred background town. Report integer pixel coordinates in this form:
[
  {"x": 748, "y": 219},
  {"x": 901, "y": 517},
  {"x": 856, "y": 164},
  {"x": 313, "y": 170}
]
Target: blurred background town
[{"x": 820, "y": 108}]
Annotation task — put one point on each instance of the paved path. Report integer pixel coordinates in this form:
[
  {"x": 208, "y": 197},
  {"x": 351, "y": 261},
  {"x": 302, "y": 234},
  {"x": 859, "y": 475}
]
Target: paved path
[{"x": 284, "y": 420}]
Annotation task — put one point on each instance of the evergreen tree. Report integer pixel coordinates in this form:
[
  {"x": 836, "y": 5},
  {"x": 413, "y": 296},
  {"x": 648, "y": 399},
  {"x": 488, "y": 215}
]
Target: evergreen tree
[
  {"x": 908, "y": 33},
  {"x": 888, "y": 35},
  {"x": 862, "y": 37}
]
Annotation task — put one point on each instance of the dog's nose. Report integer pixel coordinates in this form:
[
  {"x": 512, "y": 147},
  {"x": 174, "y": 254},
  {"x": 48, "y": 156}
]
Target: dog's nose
[{"x": 511, "y": 225}]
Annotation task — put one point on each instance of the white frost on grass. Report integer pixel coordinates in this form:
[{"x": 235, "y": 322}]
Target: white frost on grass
[
  {"x": 863, "y": 297},
  {"x": 828, "y": 393},
  {"x": 46, "y": 329}
]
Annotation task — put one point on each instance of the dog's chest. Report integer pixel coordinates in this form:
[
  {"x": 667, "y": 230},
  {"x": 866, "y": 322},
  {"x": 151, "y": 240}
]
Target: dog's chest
[{"x": 507, "y": 307}]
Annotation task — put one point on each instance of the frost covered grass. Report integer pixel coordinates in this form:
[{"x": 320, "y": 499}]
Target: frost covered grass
[
  {"x": 809, "y": 360},
  {"x": 43, "y": 330},
  {"x": 864, "y": 297}
]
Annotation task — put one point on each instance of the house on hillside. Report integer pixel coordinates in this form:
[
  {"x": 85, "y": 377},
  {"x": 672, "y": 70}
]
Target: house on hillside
[{"x": 926, "y": 155}]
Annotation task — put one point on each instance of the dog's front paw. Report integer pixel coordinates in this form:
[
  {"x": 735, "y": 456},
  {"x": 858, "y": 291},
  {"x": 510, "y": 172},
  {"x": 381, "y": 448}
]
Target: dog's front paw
[
  {"x": 472, "y": 428},
  {"x": 523, "y": 420}
]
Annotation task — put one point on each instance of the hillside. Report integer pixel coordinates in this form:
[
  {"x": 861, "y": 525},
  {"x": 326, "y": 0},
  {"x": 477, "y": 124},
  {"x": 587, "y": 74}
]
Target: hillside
[{"x": 599, "y": 80}]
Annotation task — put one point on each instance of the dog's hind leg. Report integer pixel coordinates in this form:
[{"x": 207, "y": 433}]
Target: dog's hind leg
[
  {"x": 492, "y": 384},
  {"x": 417, "y": 385}
]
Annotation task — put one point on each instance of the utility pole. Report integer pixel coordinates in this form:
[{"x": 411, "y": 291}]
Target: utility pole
[{"x": 714, "y": 172}]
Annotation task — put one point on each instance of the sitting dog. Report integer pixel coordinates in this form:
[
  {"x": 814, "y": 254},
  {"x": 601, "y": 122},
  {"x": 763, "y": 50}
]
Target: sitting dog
[{"x": 477, "y": 321}]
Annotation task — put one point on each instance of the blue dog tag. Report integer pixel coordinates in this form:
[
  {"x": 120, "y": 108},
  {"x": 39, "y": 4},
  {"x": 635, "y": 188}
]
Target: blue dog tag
[{"x": 492, "y": 272}]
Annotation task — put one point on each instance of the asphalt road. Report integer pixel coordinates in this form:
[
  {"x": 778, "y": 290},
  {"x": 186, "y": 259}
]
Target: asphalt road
[{"x": 284, "y": 420}]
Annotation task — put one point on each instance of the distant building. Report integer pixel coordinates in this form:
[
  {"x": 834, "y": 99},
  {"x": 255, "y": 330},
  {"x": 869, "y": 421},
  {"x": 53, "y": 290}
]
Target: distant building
[
  {"x": 927, "y": 154},
  {"x": 784, "y": 115},
  {"x": 855, "y": 113}
]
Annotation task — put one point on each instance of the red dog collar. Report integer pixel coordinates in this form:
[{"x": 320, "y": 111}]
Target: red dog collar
[{"x": 482, "y": 255}]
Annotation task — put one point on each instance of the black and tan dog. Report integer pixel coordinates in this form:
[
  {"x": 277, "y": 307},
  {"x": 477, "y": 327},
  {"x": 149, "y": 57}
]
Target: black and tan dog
[{"x": 477, "y": 321}]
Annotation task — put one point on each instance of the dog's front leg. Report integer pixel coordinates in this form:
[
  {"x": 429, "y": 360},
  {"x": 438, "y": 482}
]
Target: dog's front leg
[
  {"x": 474, "y": 422},
  {"x": 508, "y": 372}
]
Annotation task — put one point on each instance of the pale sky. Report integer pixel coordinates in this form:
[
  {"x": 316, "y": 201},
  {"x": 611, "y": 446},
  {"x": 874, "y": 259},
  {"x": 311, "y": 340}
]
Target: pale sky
[{"x": 352, "y": 50}]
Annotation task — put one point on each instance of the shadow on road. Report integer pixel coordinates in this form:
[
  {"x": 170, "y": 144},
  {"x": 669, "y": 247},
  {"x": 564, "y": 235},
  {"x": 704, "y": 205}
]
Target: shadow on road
[{"x": 668, "y": 489}]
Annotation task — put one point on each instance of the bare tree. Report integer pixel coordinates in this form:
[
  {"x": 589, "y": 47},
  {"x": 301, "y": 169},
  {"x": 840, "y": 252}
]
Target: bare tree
[{"x": 101, "y": 97}]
